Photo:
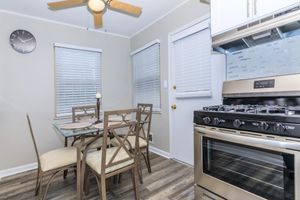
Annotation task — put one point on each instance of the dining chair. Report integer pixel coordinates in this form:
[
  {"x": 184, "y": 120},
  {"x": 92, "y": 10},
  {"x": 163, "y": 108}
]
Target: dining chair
[
  {"x": 51, "y": 163},
  {"x": 146, "y": 116},
  {"x": 85, "y": 114},
  {"x": 111, "y": 161}
]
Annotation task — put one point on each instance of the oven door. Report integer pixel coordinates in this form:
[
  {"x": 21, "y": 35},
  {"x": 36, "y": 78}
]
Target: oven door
[{"x": 246, "y": 166}]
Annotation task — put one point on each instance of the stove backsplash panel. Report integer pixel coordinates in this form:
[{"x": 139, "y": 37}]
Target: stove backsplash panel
[
  {"x": 269, "y": 101},
  {"x": 281, "y": 57}
]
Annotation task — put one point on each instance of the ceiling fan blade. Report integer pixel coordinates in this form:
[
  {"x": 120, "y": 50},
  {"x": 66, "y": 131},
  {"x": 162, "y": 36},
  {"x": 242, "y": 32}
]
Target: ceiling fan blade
[
  {"x": 98, "y": 19},
  {"x": 125, "y": 7},
  {"x": 65, "y": 4}
]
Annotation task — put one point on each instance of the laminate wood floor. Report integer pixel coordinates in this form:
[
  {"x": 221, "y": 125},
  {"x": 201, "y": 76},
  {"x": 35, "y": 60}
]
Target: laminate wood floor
[{"x": 169, "y": 180}]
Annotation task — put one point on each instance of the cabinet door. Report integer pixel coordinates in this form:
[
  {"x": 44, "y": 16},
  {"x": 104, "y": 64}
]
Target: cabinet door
[
  {"x": 263, "y": 7},
  {"x": 226, "y": 14}
]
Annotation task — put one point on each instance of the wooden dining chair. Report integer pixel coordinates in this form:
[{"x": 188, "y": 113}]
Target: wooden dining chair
[
  {"x": 146, "y": 116},
  {"x": 85, "y": 114},
  {"x": 51, "y": 163},
  {"x": 111, "y": 161}
]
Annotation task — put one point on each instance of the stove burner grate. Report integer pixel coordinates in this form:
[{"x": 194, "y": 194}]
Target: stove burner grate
[{"x": 255, "y": 109}]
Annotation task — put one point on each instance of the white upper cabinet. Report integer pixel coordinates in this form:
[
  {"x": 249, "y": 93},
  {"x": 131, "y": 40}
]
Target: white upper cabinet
[
  {"x": 264, "y": 7},
  {"x": 227, "y": 14}
]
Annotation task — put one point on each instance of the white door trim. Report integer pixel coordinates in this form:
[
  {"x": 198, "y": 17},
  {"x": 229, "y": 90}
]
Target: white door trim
[{"x": 193, "y": 27}]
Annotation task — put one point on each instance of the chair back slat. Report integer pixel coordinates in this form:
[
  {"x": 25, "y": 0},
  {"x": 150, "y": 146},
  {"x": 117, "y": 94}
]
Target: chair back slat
[
  {"x": 33, "y": 140},
  {"x": 81, "y": 113},
  {"x": 146, "y": 117},
  {"x": 120, "y": 131}
]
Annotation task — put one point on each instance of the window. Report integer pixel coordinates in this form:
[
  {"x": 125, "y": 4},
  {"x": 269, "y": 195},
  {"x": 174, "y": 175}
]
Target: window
[
  {"x": 146, "y": 75},
  {"x": 192, "y": 63},
  {"x": 77, "y": 77}
]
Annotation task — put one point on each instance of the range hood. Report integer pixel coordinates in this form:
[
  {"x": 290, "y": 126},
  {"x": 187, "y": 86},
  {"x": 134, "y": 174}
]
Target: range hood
[{"x": 276, "y": 26}]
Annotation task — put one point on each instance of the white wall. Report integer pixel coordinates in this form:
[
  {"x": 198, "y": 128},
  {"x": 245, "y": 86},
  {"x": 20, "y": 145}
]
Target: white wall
[
  {"x": 183, "y": 15},
  {"x": 27, "y": 83}
]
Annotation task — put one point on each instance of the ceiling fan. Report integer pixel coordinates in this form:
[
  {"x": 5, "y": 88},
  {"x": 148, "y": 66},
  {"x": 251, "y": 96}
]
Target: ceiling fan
[{"x": 98, "y": 7}]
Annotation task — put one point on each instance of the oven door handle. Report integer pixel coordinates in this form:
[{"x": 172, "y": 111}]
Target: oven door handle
[{"x": 249, "y": 139}]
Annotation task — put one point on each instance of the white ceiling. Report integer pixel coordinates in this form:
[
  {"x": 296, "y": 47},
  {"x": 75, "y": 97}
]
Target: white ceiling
[{"x": 114, "y": 22}]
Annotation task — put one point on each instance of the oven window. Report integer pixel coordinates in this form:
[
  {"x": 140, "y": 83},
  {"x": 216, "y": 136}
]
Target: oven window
[{"x": 268, "y": 174}]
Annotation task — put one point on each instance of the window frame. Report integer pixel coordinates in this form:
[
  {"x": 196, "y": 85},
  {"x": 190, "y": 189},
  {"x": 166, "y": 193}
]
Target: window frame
[
  {"x": 75, "y": 47},
  {"x": 154, "y": 42}
]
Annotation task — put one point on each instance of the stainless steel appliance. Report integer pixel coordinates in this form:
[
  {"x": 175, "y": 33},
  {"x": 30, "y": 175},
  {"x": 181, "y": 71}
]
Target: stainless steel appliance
[{"x": 249, "y": 147}]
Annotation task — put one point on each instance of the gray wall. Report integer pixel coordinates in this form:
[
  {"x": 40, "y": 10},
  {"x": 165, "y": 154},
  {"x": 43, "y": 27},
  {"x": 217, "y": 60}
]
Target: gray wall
[
  {"x": 185, "y": 14},
  {"x": 27, "y": 81},
  {"x": 27, "y": 84}
]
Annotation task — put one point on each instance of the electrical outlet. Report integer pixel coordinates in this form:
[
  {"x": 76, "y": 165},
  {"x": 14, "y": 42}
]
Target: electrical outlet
[{"x": 150, "y": 138}]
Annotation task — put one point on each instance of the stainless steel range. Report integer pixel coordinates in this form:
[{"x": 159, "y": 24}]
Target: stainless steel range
[{"x": 249, "y": 147}]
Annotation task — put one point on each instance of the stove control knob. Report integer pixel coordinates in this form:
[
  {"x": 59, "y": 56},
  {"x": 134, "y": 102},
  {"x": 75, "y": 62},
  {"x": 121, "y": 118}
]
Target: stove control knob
[
  {"x": 237, "y": 123},
  {"x": 206, "y": 120},
  {"x": 264, "y": 126},
  {"x": 216, "y": 121},
  {"x": 279, "y": 127}
]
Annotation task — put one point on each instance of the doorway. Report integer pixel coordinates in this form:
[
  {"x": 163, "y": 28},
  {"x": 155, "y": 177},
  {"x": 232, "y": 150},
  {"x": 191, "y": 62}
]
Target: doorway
[{"x": 195, "y": 76}]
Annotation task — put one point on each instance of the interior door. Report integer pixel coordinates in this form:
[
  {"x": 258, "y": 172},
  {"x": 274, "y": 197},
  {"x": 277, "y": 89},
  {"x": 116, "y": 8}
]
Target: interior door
[{"x": 188, "y": 84}]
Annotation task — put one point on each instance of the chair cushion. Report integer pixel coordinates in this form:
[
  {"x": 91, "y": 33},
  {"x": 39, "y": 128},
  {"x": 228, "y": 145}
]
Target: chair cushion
[
  {"x": 131, "y": 139},
  {"x": 58, "y": 158},
  {"x": 94, "y": 159},
  {"x": 95, "y": 145}
]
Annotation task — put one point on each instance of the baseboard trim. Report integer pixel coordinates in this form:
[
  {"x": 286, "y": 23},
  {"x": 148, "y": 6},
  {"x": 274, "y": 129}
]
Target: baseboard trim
[
  {"x": 17, "y": 170},
  {"x": 160, "y": 152}
]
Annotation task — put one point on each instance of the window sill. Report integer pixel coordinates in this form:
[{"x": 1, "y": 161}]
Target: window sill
[{"x": 157, "y": 112}]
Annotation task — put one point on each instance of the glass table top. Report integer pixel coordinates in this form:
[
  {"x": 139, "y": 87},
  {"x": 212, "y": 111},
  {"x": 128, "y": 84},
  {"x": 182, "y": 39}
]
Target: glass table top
[
  {"x": 78, "y": 132},
  {"x": 93, "y": 128}
]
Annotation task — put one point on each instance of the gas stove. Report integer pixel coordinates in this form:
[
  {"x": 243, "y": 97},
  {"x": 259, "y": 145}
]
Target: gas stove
[
  {"x": 264, "y": 110},
  {"x": 248, "y": 147}
]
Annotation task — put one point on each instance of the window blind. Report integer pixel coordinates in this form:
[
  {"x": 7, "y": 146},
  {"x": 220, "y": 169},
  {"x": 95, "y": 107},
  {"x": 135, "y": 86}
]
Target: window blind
[
  {"x": 146, "y": 68},
  {"x": 78, "y": 78},
  {"x": 192, "y": 64}
]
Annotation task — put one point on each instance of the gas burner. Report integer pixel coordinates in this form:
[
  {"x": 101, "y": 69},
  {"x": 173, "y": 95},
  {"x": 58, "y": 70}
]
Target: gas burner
[
  {"x": 272, "y": 110},
  {"x": 293, "y": 110}
]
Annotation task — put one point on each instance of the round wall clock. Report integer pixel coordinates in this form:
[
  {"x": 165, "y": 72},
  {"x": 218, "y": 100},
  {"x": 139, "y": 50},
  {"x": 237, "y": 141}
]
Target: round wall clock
[{"x": 22, "y": 41}]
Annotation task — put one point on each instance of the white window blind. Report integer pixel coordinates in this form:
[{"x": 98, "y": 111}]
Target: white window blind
[
  {"x": 192, "y": 65},
  {"x": 78, "y": 78},
  {"x": 146, "y": 77}
]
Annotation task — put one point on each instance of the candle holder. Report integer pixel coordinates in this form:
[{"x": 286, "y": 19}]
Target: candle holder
[{"x": 98, "y": 96}]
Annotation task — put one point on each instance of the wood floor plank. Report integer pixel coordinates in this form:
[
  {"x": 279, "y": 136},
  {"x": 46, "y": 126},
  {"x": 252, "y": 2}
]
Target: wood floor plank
[{"x": 169, "y": 180}]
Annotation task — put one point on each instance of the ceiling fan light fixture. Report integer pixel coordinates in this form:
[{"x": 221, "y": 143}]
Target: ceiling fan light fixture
[{"x": 96, "y": 5}]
